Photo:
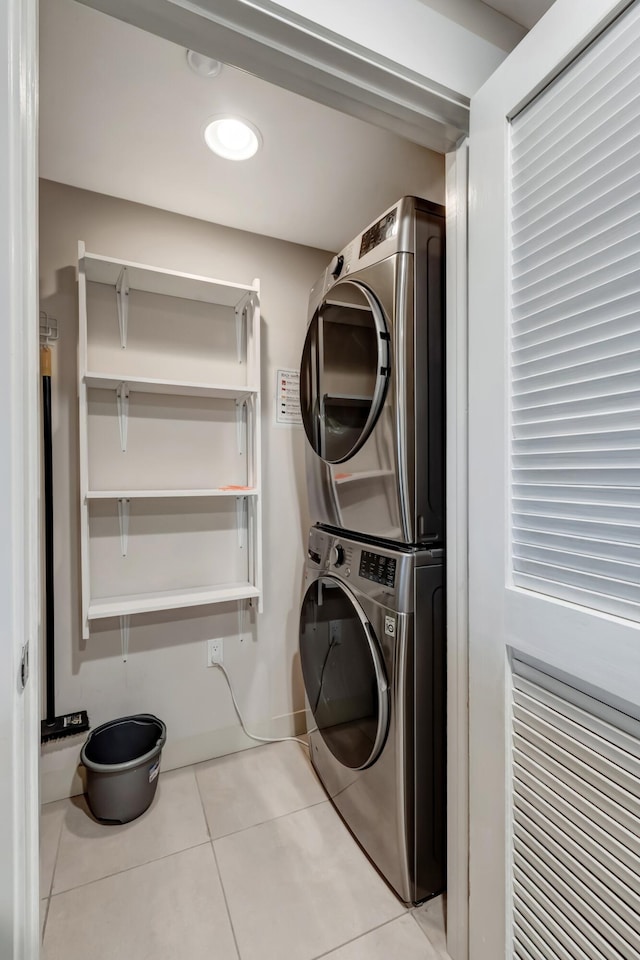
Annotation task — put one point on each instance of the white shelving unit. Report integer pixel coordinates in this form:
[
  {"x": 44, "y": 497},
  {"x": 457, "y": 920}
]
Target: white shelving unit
[{"x": 164, "y": 458}]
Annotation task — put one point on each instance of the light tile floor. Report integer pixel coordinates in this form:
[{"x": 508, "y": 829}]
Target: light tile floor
[{"x": 240, "y": 858}]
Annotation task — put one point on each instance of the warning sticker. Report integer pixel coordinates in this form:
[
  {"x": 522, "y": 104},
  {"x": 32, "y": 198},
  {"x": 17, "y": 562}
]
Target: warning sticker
[{"x": 154, "y": 771}]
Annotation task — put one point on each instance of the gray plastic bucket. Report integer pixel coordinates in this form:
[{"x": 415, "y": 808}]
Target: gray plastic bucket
[{"x": 122, "y": 759}]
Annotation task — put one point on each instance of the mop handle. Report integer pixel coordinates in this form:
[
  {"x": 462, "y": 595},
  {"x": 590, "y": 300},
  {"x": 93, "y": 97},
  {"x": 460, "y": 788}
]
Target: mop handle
[
  {"x": 45, "y": 361},
  {"x": 45, "y": 370}
]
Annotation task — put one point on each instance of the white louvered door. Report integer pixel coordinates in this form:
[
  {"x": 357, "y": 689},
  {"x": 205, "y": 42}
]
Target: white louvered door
[{"x": 554, "y": 487}]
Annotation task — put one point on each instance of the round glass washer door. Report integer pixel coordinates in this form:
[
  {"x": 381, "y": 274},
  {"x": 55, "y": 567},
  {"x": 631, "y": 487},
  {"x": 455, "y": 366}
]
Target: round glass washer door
[
  {"x": 344, "y": 371},
  {"x": 344, "y": 675}
]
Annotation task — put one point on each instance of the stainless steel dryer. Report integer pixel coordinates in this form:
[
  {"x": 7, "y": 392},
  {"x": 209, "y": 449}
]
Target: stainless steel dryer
[
  {"x": 372, "y": 648},
  {"x": 372, "y": 380}
]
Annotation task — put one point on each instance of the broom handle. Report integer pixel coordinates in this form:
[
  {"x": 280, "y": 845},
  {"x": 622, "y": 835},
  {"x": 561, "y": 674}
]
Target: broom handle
[{"x": 45, "y": 370}]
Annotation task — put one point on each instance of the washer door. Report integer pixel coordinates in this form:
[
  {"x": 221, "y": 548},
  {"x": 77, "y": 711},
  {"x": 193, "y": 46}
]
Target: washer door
[
  {"x": 344, "y": 371},
  {"x": 343, "y": 672}
]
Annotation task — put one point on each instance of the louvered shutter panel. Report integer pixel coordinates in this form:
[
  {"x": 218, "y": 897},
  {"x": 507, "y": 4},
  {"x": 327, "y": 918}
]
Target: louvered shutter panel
[
  {"x": 576, "y": 824},
  {"x": 575, "y": 330}
]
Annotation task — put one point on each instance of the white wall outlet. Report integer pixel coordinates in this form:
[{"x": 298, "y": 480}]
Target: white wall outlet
[{"x": 215, "y": 649}]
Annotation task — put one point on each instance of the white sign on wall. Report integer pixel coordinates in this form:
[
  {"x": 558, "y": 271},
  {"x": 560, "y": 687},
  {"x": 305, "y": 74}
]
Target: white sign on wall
[{"x": 288, "y": 397}]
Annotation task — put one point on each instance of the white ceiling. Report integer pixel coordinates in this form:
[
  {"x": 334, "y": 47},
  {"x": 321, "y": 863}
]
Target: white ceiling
[{"x": 122, "y": 114}]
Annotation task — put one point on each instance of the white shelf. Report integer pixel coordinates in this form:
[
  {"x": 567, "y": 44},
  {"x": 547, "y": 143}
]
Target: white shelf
[
  {"x": 178, "y": 388},
  {"x": 170, "y": 283},
  {"x": 362, "y": 475},
  {"x": 100, "y": 609},
  {"x": 230, "y": 491}
]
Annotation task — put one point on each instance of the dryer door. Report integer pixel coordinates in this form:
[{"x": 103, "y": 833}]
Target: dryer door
[
  {"x": 344, "y": 675},
  {"x": 344, "y": 371}
]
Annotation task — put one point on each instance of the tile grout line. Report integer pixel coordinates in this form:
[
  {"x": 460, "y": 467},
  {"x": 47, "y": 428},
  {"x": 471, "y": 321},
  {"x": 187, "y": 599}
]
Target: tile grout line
[
  {"x": 261, "y": 823},
  {"x": 226, "y": 902},
  {"x": 365, "y": 933},
  {"x": 135, "y": 866},
  {"x": 217, "y": 865},
  {"x": 46, "y": 917},
  {"x": 55, "y": 859}
]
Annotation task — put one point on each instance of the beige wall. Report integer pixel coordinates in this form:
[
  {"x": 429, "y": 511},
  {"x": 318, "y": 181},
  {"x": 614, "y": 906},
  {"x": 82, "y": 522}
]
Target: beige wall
[{"x": 166, "y": 673}]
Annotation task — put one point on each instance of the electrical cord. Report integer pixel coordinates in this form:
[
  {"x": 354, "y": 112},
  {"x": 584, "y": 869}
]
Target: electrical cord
[{"x": 253, "y": 736}]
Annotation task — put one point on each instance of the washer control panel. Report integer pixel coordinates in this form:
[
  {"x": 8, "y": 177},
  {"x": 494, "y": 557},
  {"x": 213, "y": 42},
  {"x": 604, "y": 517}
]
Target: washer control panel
[{"x": 378, "y": 568}]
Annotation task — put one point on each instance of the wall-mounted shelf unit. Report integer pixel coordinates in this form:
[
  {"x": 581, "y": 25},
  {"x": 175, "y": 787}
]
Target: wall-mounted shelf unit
[{"x": 169, "y": 401}]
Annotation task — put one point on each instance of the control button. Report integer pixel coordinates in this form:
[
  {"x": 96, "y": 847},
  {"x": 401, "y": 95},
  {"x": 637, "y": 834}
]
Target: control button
[
  {"x": 347, "y": 571},
  {"x": 314, "y": 556},
  {"x": 336, "y": 265},
  {"x": 337, "y": 556}
]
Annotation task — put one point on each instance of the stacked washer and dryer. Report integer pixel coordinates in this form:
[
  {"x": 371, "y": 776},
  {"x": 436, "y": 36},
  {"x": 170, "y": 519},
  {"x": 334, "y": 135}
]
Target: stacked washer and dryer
[{"x": 372, "y": 626}]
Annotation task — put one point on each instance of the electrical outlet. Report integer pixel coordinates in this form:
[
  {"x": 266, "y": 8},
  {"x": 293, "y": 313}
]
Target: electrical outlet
[{"x": 215, "y": 649}]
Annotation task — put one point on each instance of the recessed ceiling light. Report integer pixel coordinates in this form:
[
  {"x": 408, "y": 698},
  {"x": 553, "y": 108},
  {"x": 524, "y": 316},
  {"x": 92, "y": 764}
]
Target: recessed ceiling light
[
  {"x": 232, "y": 138},
  {"x": 203, "y": 66}
]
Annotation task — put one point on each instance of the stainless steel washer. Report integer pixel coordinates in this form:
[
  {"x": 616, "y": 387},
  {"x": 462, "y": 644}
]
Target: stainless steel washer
[
  {"x": 372, "y": 648},
  {"x": 372, "y": 380}
]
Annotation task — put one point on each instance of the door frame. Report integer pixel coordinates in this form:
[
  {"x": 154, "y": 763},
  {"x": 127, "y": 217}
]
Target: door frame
[
  {"x": 457, "y": 540},
  {"x": 18, "y": 279},
  {"x": 19, "y": 486}
]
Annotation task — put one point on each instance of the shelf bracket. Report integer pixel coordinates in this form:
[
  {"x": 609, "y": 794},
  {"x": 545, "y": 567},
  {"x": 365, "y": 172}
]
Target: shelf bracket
[
  {"x": 122, "y": 400},
  {"x": 242, "y": 618},
  {"x": 241, "y": 327},
  {"x": 124, "y": 637},
  {"x": 241, "y": 517},
  {"x": 122, "y": 298},
  {"x": 123, "y": 518},
  {"x": 48, "y": 328},
  {"x": 241, "y": 424}
]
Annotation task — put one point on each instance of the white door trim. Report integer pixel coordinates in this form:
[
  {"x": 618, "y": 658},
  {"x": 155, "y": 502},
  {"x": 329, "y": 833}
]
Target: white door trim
[
  {"x": 19, "y": 485},
  {"x": 457, "y": 167}
]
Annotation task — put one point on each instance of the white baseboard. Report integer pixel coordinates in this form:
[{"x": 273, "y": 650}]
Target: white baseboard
[{"x": 66, "y": 780}]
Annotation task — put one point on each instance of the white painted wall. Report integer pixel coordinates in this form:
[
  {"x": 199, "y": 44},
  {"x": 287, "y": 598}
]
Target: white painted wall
[
  {"x": 166, "y": 672},
  {"x": 454, "y": 43}
]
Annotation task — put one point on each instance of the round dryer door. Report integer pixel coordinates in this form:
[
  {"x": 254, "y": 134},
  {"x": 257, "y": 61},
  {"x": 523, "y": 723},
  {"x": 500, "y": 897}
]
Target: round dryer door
[
  {"x": 344, "y": 675},
  {"x": 344, "y": 371}
]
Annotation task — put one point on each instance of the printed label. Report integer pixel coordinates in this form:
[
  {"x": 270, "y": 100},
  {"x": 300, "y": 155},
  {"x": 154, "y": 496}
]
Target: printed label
[
  {"x": 154, "y": 771},
  {"x": 288, "y": 397}
]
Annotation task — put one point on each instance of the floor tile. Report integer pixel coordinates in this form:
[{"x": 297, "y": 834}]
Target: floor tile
[
  {"x": 430, "y": 917},
  {"x": 247, "y": 788},
  {"x": 51, "y": 819},
  {"x": 300, "y": 886},
  {"x": 400, "y": 938},
  {"x": 90, "y": 850},
  {"x": 43, "y": 916},
  {"x": 165, "y": 910}
]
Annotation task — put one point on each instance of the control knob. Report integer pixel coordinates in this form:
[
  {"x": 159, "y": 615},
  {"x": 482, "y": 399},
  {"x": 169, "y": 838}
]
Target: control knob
[
  {"x": 337, "y": 556},
  {"x": 336, "y": 265}
]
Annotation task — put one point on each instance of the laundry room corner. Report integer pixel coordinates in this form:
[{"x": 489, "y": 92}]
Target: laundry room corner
[{"x": 166, "y": 664}]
